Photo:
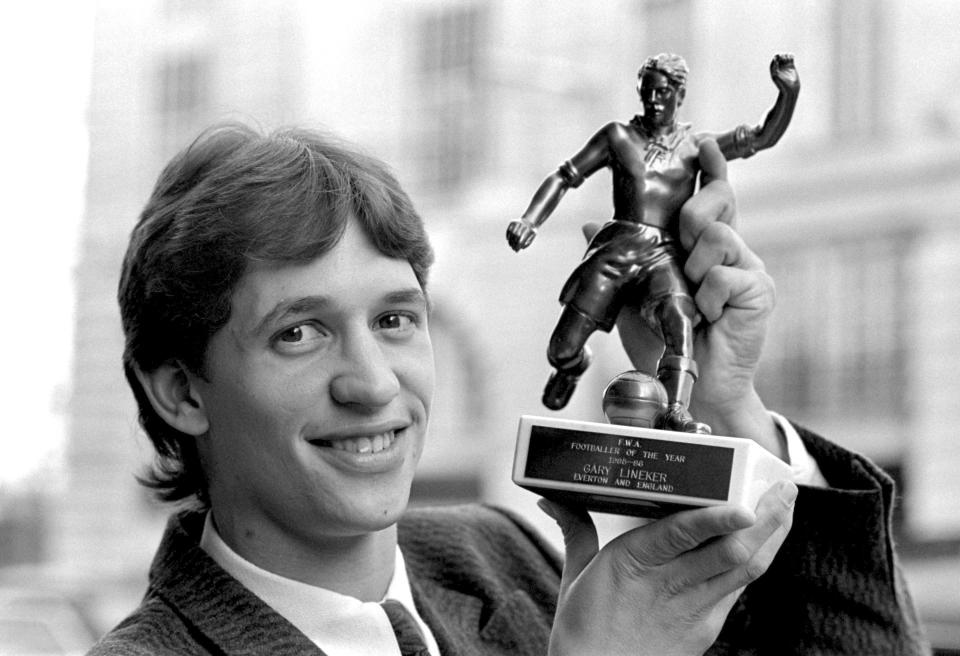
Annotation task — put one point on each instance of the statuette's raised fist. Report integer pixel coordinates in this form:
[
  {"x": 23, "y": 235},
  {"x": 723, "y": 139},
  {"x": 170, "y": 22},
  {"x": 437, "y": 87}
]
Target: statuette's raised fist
[{"x": 784, "y": 72}]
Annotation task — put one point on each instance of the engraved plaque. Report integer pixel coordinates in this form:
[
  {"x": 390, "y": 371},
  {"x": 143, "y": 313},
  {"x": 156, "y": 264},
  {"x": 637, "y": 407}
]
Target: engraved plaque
[{"x": 640, "y": 471}]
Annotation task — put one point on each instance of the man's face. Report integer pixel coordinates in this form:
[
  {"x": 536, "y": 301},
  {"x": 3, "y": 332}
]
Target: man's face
[
  {"x": 659, "y": 97},
  {"x": 317, "y": 392}
]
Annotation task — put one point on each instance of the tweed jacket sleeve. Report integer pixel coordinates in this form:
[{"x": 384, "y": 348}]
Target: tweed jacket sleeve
[{"x": 835, "y": 587}]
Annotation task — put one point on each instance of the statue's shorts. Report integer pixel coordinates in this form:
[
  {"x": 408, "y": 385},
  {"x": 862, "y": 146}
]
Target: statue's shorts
[{"x": 625, "y": 264}]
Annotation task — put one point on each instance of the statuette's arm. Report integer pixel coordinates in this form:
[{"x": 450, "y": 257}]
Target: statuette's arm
[
  {"x": 569, "y": 175},
  {"x": 745, "y": 140}
]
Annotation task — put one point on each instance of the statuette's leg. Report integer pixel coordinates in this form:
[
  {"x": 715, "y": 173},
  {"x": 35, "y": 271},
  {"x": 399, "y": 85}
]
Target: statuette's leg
[
  {"x": 678, "y": 374},
  {"x": 568, "y": 355}
]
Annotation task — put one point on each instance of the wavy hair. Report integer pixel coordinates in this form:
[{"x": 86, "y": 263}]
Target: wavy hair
[{"x": 233, "y": 197}]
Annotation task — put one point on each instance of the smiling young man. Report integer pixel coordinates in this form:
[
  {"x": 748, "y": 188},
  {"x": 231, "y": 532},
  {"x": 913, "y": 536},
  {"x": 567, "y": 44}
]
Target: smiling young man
[
  {"x": 327, "y": 367},
  {"x": 274, "y": 303}
]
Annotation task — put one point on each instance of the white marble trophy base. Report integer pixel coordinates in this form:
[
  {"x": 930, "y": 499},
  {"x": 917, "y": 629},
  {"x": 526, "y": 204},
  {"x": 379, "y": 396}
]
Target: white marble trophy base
[{"x": 640, "y": 471}]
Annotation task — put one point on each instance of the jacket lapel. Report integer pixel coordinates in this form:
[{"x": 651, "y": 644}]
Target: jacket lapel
[
  {"x": 228, "y": 618},
  {"x": 468, "y": 625}
]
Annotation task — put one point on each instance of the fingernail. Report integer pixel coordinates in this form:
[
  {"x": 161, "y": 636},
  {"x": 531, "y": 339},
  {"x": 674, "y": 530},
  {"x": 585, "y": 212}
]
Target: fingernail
[
  {"x": 787, "y": 492},
  {"x": 547, "y": 508},
  {"x": 742, "y": 519}
]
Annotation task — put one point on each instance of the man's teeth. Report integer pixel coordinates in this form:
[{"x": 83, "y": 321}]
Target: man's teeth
[{"x": 365, "y": 444}]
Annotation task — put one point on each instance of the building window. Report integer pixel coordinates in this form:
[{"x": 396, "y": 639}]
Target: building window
[
  {"x": 837, "y": 347},
  {"x": 859, "y": 68},
  {"x": 183, "y": 80},
  {"x": 22, "y": 528},
  {"x": 450, "y": 101}
]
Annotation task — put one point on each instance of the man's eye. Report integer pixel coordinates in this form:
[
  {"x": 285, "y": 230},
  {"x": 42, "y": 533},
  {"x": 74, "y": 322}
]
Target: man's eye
[
  {"x": 299, "y": 334},
  {"x": 399, "y": 322}
]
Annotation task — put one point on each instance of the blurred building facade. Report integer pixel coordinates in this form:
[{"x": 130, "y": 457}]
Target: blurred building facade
[{"x": 473, "y": 103}]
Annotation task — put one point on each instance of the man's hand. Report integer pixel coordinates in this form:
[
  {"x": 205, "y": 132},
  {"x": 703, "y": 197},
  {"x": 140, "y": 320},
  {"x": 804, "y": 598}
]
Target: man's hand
[
  {"x": 665, "y": 588},
  {"x": 520, "y": 234},
  {"x": 783, "y": 72},
  {"x": 734, "y": 294}
]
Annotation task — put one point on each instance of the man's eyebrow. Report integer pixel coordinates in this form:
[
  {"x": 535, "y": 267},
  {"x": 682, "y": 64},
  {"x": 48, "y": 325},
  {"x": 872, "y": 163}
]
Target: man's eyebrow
[
  {"x": 307, "y": 304},
  {"x": 407, "y": 296},
  {"x": 291, "y": 307}
]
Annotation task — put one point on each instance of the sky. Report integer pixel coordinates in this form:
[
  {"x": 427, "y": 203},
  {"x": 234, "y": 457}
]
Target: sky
[{"x": 45, "y": 50}]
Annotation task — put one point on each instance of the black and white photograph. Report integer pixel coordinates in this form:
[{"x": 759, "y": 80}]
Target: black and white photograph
[{"x": 480, "y": 327}]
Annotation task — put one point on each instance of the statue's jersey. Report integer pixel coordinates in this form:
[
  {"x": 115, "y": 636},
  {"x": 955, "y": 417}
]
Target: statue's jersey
[
  {"x": 652, "y": 178},
  {"x": 635, "y": 258}
]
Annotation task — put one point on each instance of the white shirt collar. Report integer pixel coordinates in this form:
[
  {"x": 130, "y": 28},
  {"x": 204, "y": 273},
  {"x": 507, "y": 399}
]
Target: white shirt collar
[
  {"x": 804, "y": 467},
  {"x": 339, "y": 624}
]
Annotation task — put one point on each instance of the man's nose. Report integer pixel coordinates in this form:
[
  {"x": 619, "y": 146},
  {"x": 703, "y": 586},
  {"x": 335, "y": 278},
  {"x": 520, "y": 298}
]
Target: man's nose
[{"x": 366, "y": 377}]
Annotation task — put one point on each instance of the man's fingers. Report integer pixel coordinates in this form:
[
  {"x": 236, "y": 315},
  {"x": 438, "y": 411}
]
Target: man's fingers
[
  {"x": 715, "y": 200},
  {"x": 764, "y": 539},
  {"x": 579, "y": 536},
  {"x": 719, "y": 245},
  {"x": 739, "y": 577},
  {"x": 711, "y": 204},
  {"x": 713, "y": 165},
  {"x": 739, "y": 288},
  {"x": 589, "y": 230},
  {"x": 666, "y": 539},
  {"x": 728, "y": 274},
  {"x": 734, "y": 560}
]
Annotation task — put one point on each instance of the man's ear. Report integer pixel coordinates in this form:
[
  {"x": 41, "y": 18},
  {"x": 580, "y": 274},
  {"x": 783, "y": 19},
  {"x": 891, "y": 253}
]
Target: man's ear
[
  {"x": 681, "y": 94},
  {"x": 175, "y": 398}
]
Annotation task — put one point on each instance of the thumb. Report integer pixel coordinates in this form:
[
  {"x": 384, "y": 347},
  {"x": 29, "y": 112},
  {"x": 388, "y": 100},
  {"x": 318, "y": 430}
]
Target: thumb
[
  {"x": 579, "y": 536},
  {"x": 672, "y": 536},
  {"x": 589, "y": 229},
  {"x": 713, "y": 165}
]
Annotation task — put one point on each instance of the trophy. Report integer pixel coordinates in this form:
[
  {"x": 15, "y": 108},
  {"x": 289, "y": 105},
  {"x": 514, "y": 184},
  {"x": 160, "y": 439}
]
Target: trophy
[{"x": 653, "y": 457}]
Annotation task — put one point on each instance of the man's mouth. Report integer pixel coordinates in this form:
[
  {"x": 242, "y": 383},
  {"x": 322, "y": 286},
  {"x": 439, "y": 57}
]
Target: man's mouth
[{"x": 362, "y": 444}]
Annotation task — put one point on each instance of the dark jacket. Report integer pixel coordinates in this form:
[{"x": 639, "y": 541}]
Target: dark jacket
[
  {"x": 835, "y": 586},
  {"x": 481, "y": 579},
  {"x": 485, "y": 583}
]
